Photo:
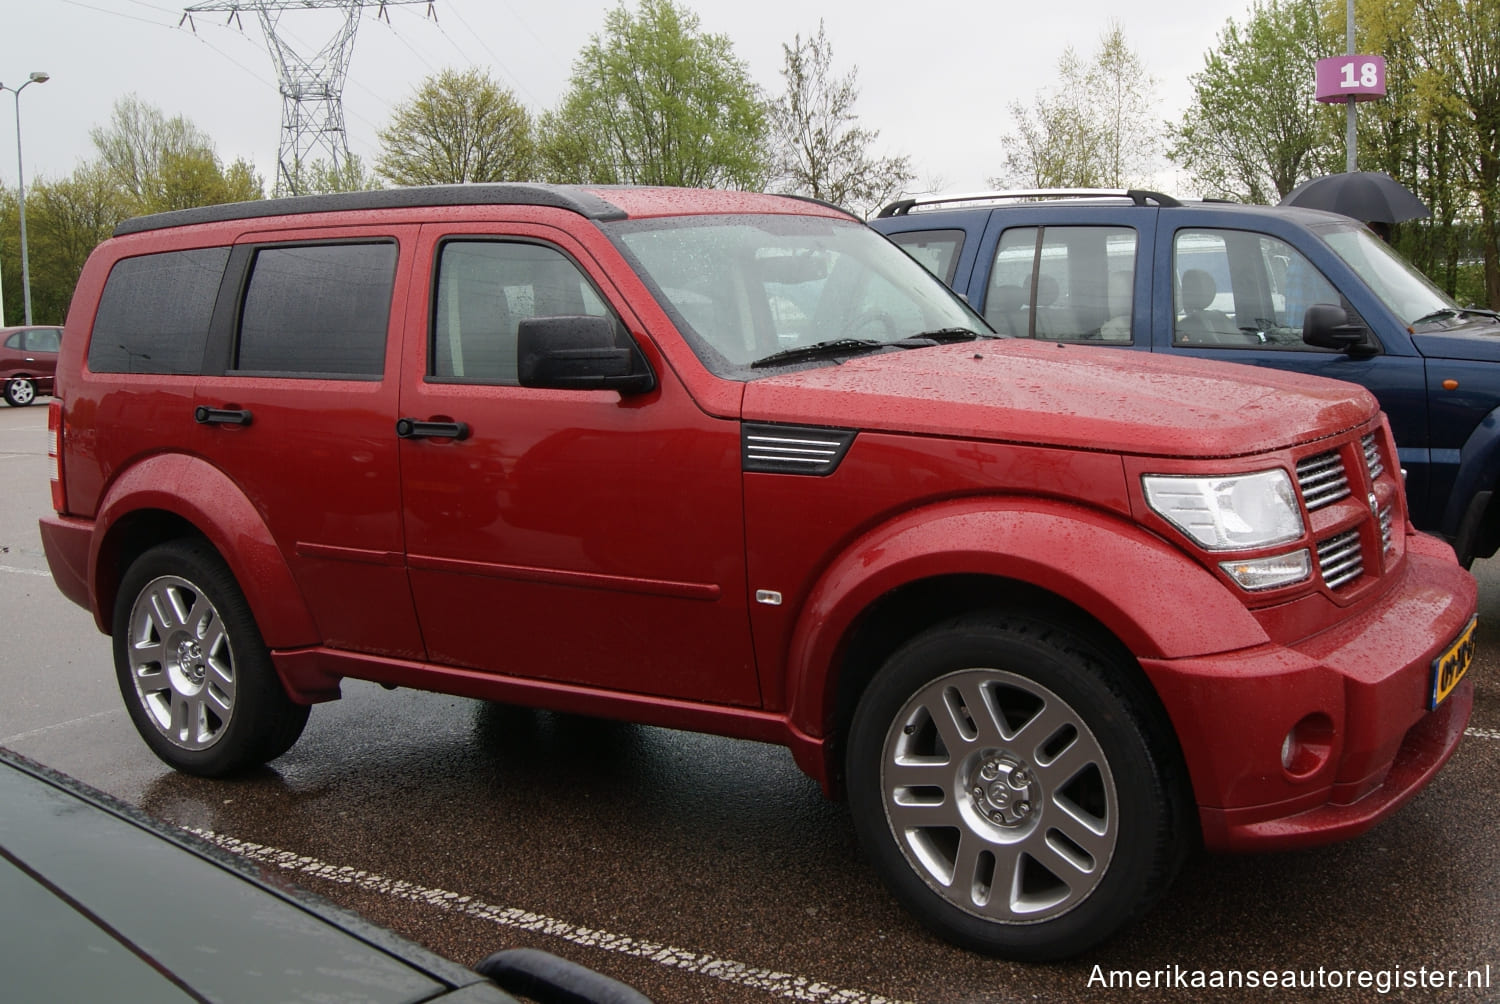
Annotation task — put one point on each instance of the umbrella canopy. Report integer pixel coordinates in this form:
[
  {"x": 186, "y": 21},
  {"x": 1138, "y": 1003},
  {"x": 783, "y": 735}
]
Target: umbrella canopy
[{"x": 1369, "y": 196}]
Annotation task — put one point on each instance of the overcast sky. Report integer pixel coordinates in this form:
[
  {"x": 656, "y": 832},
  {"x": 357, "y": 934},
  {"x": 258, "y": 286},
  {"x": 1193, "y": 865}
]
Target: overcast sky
[{"x": 935, "y": 77}]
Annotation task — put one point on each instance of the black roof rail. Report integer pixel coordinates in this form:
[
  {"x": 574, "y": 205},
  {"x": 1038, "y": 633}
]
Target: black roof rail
[
  {"x": 574, "y": 198},
  {"x": 1138, "y": 196}
]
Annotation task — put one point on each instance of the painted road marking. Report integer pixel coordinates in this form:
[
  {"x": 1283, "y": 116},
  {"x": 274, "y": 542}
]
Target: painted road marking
[
  {"x": 26, "y": 571},
  {"x": 1491, "y": 734},
  {"x": 728, "y": 970}
]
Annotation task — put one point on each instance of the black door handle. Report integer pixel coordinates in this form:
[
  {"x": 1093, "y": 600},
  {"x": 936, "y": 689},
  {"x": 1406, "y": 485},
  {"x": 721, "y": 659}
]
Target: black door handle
[
  {"x": 411, "y": 428},
  {"x": 204, "y": 415}
]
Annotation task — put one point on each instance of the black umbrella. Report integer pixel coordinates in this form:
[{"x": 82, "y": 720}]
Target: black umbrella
[{"x": 1370, "y": 196}]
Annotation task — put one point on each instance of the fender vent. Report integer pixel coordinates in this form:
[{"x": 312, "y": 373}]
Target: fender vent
[{"x": 793, "y": 449}]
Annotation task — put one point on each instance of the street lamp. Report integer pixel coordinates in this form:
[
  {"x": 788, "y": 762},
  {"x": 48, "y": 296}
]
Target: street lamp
[{"x": 35, "y": 78}]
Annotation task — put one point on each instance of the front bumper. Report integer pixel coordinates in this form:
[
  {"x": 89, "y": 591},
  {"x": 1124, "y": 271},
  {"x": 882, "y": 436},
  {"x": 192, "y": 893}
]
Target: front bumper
[{"x": 1369, "y": 677}]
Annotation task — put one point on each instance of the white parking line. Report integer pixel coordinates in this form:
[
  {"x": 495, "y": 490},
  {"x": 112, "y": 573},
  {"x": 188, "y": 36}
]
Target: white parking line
[
  {"x": 26, "y": 571},
  {"x": 1491, "y": 734},
  {"x": 18, "y": 737},
  {"x": 775, "y": 983}
]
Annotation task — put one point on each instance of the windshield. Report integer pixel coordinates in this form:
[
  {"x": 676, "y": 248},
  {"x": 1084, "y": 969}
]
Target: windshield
[
  {"x": 745, "y": 288},
  {"x": 1392, "y": 278}
]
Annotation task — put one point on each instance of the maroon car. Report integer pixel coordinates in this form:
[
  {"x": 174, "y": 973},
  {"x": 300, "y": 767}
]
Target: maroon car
[
  {"x": 1047, "y": 614},
  {"x": 28, "y": 358}
]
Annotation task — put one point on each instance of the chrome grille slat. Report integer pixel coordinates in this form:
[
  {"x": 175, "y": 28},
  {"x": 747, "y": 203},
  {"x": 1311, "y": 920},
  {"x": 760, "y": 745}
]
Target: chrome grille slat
[
  {"x": 1339, "y": 559},
  {"x": 1387, "y": 541},
  {"x": 1372, "y": 456},
  {"x": 1322, "y": 479}
]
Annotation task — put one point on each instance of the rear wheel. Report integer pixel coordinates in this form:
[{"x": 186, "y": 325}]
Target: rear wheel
[
  {"x": 20, "y": 391},
  {"x": 1015, "y": 788},
  {"x": 192, "y": 668}
]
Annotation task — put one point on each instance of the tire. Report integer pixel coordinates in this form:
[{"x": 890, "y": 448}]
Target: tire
[
  {"x": 1017, "y": 788},
  {"x": 20, "y": 391},
  {"x": 192, "y": 668}
]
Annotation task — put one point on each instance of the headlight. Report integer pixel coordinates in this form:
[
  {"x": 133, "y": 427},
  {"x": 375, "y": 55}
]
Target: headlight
[{"x": 1229, "y": 513}]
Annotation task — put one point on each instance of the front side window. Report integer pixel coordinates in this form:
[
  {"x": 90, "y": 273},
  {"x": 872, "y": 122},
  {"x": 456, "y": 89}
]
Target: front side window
[
  {"x": 1063, "y": 283},
  {"x": 155, "y": 311},
  {"x": 749, "y": 292},
  {"x": 1235, "y": 288},
  {"x": 485, "y": 289},
  {"x": 318, "y": 310}
]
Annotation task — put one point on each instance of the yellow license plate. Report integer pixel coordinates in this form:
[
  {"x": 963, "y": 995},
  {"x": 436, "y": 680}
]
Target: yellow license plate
[{"x": 1449, "y": 668}]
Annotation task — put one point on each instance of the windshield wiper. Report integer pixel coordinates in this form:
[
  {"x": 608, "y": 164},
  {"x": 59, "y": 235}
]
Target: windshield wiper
[
  {"x": 943, "y": 336},
  {"x": 821, "y": 350},
  {"x": 1436, "y": 315}
]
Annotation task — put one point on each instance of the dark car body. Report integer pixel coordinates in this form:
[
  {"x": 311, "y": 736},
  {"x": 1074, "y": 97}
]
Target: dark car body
[
  {"x": 1125, "y": 271},
  {"x": 100, "y": 902},
  {"x": 28, "y": 362}
]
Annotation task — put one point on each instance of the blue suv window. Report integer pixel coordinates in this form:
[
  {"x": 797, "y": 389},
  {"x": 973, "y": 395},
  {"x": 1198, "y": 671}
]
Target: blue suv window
[
  {"x": 1063, "y": 283},
  {"x": 1237, "y": 288}
]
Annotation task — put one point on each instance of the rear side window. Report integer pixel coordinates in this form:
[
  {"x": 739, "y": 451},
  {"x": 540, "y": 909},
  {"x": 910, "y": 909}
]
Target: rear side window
[
  {"x": 318, "y": 310},
  {"x": 43, "y": 339},
  {"x": 1063, "y": 283},
  {"x": 154, "y": 313}
]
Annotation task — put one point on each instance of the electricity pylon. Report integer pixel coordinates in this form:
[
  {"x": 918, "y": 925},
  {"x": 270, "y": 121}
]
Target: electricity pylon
[{"x": 312, "y": 85}]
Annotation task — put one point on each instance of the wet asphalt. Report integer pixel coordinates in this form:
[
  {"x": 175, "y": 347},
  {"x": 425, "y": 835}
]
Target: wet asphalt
[{"x": 705, "y": 869}]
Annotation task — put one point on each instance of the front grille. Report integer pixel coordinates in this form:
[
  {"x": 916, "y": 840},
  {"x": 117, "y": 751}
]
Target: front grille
[
  {"x": 1387, "y": 542},
  {"x": 1339, "y": 560},
  {"x": 1322, "y": 479},
  {"x": 1372, "y": 457}
]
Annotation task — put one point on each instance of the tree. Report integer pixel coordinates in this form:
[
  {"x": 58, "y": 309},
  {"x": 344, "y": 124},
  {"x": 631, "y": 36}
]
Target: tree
[
  {"x": 820, "y": 150},
  {"x": 459, "y": 127},
  {"x": 655, "y": 101},
  {"x": 1094, "y": 129},
  {"x": 65, "y": 221},
  {"x": 1253, "y": 130},
  {"x": 162, "y": 164},
  {"x": 321, "y": 177}
]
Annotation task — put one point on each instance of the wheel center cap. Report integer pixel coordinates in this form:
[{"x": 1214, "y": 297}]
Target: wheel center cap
[
  {"x": 1004, "y": 789},
  {"x": 190, "y": 659}
]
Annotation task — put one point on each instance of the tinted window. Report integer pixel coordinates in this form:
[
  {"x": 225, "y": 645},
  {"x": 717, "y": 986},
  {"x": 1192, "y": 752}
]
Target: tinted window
[
  {"x": 318, "y": 310},
  {"x": 484, "y": 290},
  {"x": 14, "y": 341},
  {"x": 1236, "y": 288},
  {"x": 937, "y": 250},
  {"x": 1063, "y": 283},
  {"x": 154, "y": 312}
]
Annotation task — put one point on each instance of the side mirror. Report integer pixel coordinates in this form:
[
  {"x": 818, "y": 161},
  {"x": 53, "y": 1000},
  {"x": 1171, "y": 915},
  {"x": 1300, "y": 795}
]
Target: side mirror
[
  {"x": 577, "y": 352},
  {"x": 1326, "y": 326}
]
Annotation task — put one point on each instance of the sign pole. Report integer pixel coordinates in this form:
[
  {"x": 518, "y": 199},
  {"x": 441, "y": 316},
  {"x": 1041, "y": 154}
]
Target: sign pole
[{"x": 1350, "y": 140}]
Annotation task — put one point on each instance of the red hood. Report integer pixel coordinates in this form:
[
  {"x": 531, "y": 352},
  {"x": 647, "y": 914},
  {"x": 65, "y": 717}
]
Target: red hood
[{"x": 1052, "y": 394}]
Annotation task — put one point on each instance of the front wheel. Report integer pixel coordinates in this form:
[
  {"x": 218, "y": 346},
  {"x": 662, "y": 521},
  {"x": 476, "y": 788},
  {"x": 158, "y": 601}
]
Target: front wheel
[
  {"x": 20, "y": 391},
  {"x": 1015, "y": 788},
  {"x": 192, "y": 668}
]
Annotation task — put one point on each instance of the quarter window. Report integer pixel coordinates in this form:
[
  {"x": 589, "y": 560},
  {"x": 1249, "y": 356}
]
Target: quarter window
[
  {"x": 485, "y": 289},
  {"x": 318, "y": 310},
  {"x": 936, "y": 250},
  {"x": 154, "y": 312}
]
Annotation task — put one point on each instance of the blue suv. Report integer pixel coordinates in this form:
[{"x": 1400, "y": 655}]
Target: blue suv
[{"x": 1296, "y": 289}]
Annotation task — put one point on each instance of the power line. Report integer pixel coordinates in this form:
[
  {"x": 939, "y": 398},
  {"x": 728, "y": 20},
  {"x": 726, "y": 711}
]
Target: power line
[{"x": 311, "y": 82}]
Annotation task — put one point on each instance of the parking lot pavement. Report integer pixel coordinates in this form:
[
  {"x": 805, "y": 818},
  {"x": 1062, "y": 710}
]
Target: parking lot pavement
[{"x": 708, "y": 869}]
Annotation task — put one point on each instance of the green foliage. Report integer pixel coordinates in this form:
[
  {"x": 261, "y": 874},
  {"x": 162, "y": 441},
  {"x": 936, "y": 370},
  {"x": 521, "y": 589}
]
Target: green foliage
[
  {"x": 322, "y": 178},
  {"x": 1093, "y": 129},
  {"x": 655, "y": 101},
  {"x": 459, "y": 127},
  {"x": 1254, "y": 130},
  {"x": 820, "y": 149}
]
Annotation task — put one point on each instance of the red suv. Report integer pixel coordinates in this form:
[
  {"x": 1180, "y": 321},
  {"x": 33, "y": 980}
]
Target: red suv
[
  {"x": 28, "y": 358},
  {"x": 1048, "y": 614}
]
